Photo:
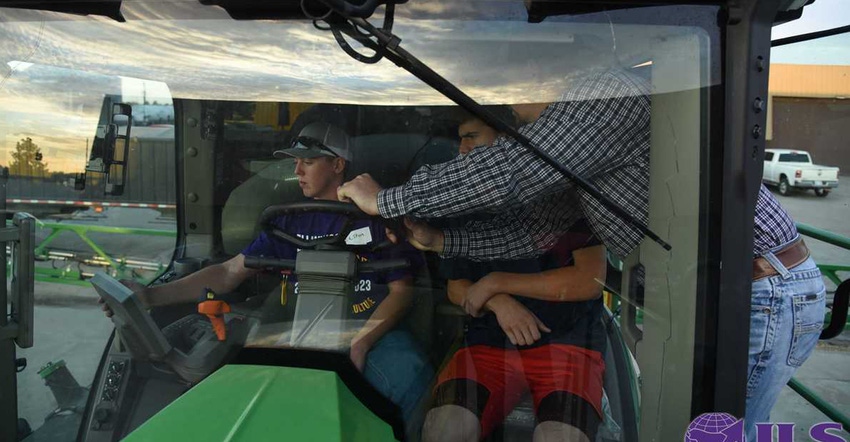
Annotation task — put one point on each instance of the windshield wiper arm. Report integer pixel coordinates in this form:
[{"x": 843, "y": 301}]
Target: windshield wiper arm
[{"x": 388, "y": 45}]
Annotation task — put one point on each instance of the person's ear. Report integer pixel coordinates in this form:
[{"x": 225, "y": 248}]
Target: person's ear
[{"x": 339, "y": 165}]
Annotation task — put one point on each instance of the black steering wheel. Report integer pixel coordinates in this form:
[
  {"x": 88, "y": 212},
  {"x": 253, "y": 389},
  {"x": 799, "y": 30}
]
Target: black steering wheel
[
  {"x": 350, "y": 211},
  {"x": 335, "y": 242}
]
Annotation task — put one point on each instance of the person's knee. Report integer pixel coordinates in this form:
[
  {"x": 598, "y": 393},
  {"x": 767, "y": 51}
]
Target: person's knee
[
  {"x": 564, "y": 415},
  {"x": 552, "y": 431},
  {"x": 451, "y": 423}
]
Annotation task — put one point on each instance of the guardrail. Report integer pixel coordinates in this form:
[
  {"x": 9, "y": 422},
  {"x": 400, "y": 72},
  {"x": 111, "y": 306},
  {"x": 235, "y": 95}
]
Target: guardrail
[
  {"x": 120, "y": 266},
  {"x": 828, "y": 270}
]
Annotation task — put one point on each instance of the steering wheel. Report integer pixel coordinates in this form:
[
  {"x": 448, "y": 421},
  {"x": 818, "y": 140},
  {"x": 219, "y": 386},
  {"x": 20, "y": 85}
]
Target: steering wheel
[{"x": 351, "y": 213}]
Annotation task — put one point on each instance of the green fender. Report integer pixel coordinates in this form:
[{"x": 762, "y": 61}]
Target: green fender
[{"x": 258, "y": 403}]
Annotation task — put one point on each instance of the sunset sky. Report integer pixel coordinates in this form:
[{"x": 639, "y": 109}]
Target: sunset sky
[{"x": 55, "y": 68}]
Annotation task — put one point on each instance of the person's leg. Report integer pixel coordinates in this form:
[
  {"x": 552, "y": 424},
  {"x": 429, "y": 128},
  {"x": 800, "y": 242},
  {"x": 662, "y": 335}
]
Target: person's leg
[
  {"x": 554, "y": 431},
  {"x": 566, "y": 382},
  {"x": 399, "y": 370},
  {"x": 451, "y": 423},
  {"x": 474, "y": 393},
  {"x": 785, "y": 323}
]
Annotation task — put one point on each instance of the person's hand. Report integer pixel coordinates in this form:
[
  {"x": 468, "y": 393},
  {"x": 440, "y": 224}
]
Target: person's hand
[
  {"x": 479, "y": 293},
  {"x": 138, "y": 290},
  {"x": 105, "y": 307},
  {"x": 358, "y": 355},
  {"x": 420, "y": 235},
  {"x": 518, "y": 322},
  {"x": 363, "y": 191}
]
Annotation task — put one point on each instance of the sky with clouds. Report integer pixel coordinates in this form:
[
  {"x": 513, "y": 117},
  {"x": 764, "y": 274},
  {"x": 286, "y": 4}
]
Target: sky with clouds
[
  {"x": 55, "y": 69},
  {"x": 819, "y": 16}
]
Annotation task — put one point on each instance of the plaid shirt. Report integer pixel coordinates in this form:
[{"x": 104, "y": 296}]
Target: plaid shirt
[
  {"x": 773, "y": 226},
  {"x": 599, "y": 129}
]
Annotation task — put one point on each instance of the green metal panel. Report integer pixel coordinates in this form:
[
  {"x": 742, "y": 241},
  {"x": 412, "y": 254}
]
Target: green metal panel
[{"x": 257, "y": 403}]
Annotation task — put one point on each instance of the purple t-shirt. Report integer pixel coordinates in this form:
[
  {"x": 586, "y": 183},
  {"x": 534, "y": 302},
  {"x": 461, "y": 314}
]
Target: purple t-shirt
[{"x": 369, "y": 288}]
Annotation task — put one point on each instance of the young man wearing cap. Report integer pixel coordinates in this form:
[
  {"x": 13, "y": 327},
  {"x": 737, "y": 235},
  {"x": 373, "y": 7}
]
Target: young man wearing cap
[{"x": 388, "y": 357}]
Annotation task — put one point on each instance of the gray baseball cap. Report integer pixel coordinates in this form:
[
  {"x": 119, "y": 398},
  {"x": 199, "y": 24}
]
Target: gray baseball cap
[{"x": 318, "y": 140}]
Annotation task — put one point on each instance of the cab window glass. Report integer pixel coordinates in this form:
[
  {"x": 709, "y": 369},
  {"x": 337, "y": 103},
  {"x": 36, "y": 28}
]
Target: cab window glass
[
  {"x": 229, "y": 129},
  {"x": 47, "y": 135}
]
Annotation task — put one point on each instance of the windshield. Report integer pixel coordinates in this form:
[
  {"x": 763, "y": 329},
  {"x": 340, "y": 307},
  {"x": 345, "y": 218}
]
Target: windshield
[
  {"x": 228, "y": 118},
  {"x": 794, "y": 158}
]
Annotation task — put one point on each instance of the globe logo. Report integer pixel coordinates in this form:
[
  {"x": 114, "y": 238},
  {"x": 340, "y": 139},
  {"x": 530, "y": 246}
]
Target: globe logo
[{"x": 715, "y": 427}]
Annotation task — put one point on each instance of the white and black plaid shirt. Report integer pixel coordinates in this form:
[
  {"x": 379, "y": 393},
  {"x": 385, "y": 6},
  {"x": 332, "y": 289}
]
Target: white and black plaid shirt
[{"x": 599, "y": 129}]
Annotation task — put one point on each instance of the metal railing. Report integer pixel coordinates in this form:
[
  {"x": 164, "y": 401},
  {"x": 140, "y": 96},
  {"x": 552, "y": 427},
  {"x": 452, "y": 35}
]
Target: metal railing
[
  {"x": 119, "y": 266},
  {"x": 828, "y": 270}
]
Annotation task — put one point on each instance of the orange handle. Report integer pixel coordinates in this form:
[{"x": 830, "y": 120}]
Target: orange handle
[
  {"x": 215, "y": 310},
  {"x": 218, "y": 327}
]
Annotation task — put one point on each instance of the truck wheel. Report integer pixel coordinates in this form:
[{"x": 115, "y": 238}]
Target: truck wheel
[
  {"x": 784, "y": 188},
  {"x": 821, "y": 192}
]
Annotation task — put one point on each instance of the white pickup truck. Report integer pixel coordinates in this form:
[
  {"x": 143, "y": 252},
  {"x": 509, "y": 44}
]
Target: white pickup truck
[{"x": 789, "y": 169}]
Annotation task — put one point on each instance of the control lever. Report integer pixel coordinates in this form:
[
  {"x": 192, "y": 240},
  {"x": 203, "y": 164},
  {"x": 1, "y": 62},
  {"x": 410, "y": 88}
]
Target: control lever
[
  {"x": 384, "y": 265},
  {"x": 256, "y": 262},
  {"x": 214, "y": 307}
]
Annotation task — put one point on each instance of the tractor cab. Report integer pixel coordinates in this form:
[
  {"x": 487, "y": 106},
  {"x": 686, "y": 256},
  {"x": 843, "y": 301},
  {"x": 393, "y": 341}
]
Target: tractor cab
[{"x": 198, "y": 98}]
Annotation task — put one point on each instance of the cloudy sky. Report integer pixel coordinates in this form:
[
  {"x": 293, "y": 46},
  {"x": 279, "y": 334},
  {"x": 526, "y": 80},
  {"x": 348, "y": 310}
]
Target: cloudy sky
[
  {"x": 822, "y": 15},
  {"x": 55, "y": 68}
]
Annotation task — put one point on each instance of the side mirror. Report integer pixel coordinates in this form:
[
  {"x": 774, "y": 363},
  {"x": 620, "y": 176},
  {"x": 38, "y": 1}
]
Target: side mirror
[
  {"x": 80, "y": 181},
  {"x": 111, "y": 146}
]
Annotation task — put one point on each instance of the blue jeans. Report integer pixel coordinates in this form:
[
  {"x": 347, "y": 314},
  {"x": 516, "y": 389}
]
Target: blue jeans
[
  {"x": 785, "y": 323},
  {"x": 399, "y": 370}
]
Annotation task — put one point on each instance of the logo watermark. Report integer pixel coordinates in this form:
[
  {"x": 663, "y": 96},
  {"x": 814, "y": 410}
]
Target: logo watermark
[
  {"x": 723, "y": 427},
  {"x": 715, "y": 427}
]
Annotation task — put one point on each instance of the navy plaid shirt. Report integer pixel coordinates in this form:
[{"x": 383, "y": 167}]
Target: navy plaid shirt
[
  {"x": 774, "y": 227},
  {"x": 600, "y": 130}
]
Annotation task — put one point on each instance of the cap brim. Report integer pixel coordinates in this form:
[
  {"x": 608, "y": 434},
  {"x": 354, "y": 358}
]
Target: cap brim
[{"x": 296, "y": 152}]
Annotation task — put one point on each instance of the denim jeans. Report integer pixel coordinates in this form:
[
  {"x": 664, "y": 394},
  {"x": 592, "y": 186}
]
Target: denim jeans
[
  {"x": 785, "y": 323},
  {"x": 398, "y": 369}
]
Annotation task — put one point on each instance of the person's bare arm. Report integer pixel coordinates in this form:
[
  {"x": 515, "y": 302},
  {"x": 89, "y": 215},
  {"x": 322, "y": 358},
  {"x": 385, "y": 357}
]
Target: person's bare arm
[
  {"x": 221, "y": 278},
  {"x": 579, "y": 282},
  {"x": 386, "y": 315},
  {"x": 456, "y": 290},
  {"x": 520, "y": 325}
]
